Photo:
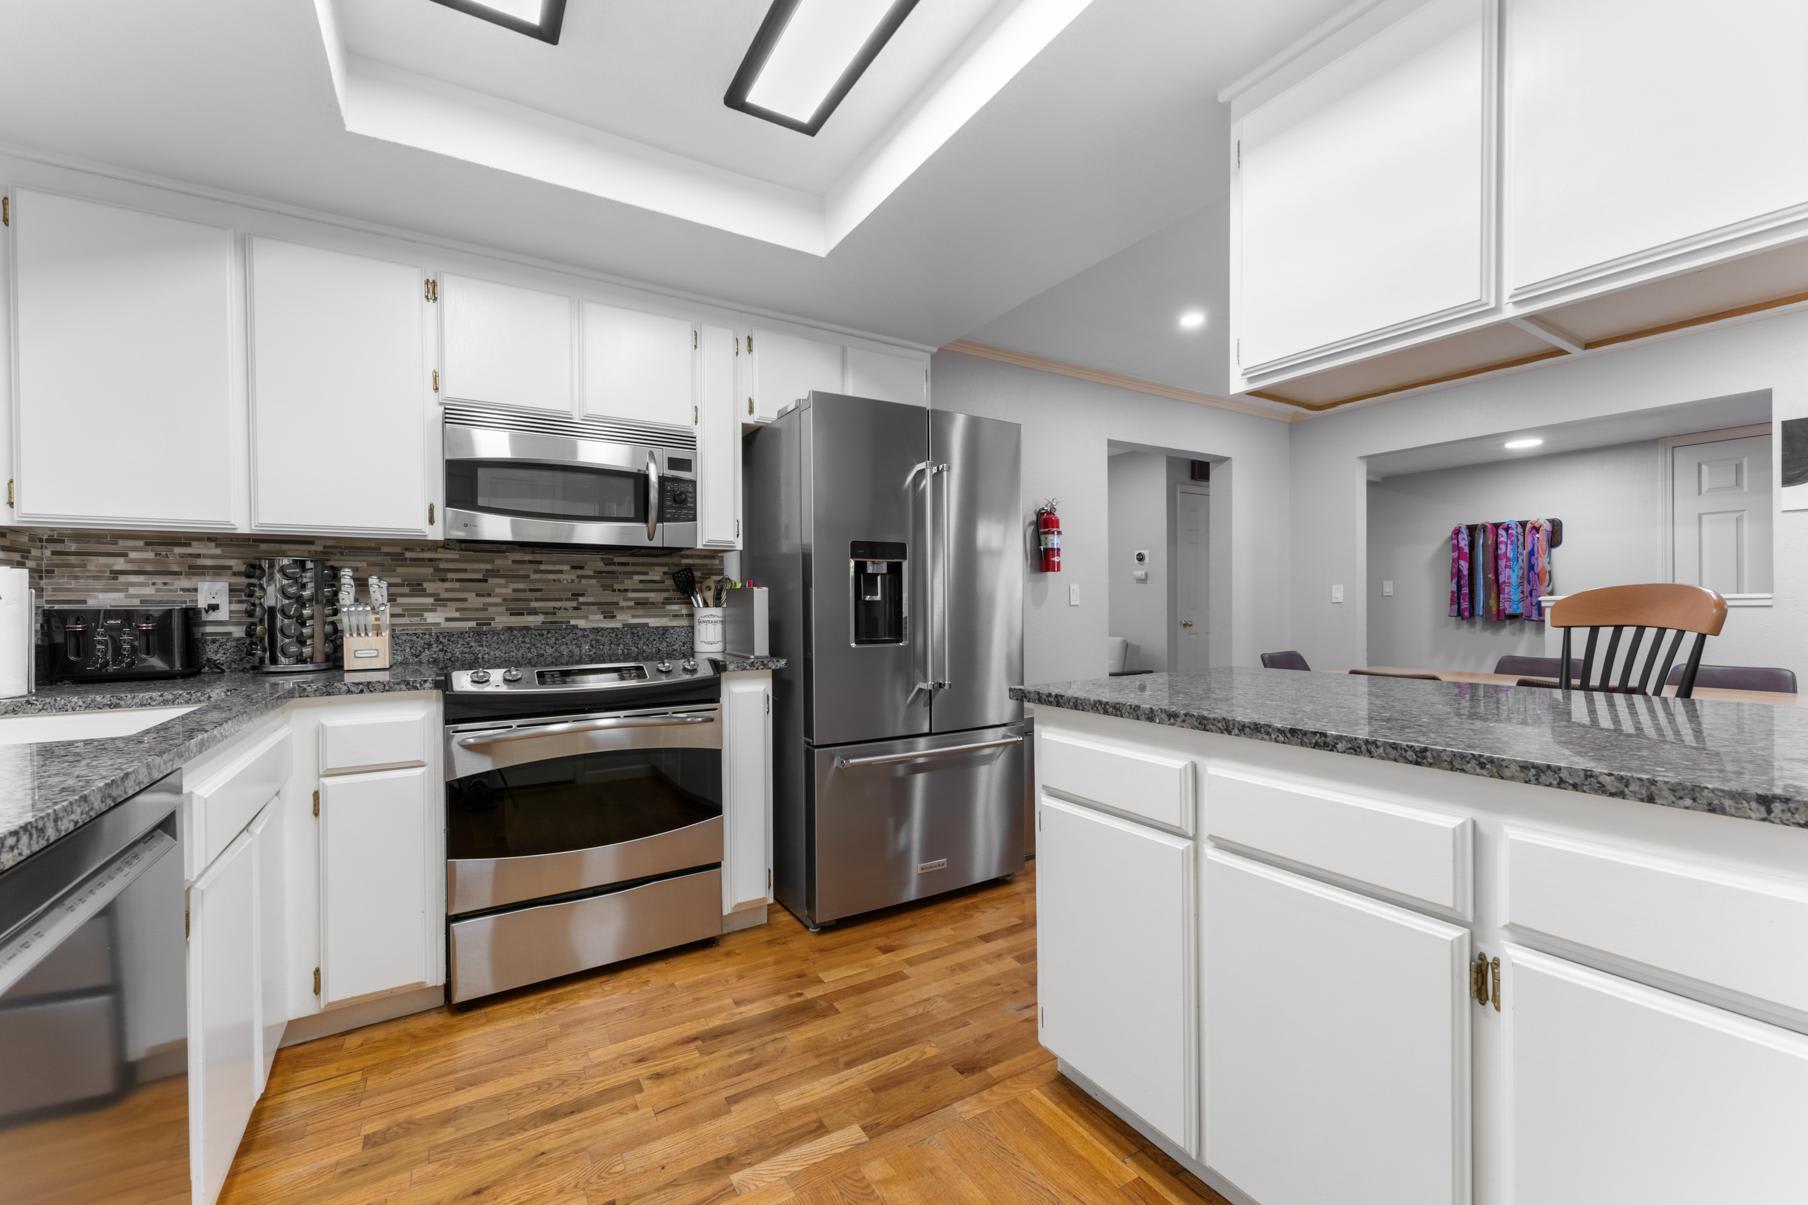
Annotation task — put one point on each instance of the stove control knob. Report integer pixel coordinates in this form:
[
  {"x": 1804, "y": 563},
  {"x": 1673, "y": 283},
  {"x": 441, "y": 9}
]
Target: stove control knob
[
  {"x": 664, "y": 667},
  {"x": 511, "y": 675},
  {"x": 690, "y": 665},
  {"x": 479, "y": 677}
]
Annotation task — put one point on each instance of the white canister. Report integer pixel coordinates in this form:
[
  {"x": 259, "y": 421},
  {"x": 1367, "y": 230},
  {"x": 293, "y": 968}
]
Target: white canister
[{"x": 709, "y": 633}]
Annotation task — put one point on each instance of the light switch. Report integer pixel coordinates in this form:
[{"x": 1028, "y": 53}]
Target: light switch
[
  {"x": 1073, "y": 594},
  {"x": 1141, "y": 575},
  {"x": 1387, "y": 588},
  {"x": 1337, "y": 593}
]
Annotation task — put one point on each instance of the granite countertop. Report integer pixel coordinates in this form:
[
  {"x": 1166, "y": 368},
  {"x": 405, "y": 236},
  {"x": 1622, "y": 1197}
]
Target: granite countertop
[{"x": 1747, "y": 760}]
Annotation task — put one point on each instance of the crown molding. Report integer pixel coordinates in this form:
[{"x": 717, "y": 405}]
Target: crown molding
[{"x": 1116, "y": 380}]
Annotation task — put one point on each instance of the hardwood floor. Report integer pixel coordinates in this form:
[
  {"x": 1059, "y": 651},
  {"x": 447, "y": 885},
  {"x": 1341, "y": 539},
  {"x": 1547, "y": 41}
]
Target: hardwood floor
[{"x": 886, "y": 1060}]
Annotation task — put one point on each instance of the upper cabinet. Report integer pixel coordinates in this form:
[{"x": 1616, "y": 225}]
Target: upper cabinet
[
  {"x": 718, "y": 440},
  {"x": 125, "y": 352},
  {"x": 639, "y": 366},
  {"x": 1638, "y": 128},
  {"x": 888, "y": 376},
  {"x": 502, "y": 345},
  {"x": 780, "y": 368},
  {"x": 1364, "y": 190},
  {"x": 1652, "y": 176},
  {"x": 341, "y": 370}
]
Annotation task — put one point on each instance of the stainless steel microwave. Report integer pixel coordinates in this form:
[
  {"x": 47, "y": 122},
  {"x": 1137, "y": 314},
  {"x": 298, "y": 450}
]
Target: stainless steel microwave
[{"x": 521, "y": 478}]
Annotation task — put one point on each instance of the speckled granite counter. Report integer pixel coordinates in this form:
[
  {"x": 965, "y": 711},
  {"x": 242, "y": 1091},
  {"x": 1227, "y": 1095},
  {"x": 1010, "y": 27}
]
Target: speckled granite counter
[{"x": 1733, "y": 759}]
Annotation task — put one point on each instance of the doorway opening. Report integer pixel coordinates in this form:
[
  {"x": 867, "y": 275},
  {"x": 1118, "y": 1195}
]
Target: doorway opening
[{"x": 1160, "y": 559}]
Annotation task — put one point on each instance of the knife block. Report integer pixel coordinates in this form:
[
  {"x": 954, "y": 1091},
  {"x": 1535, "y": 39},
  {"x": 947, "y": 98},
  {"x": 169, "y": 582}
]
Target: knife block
[{"x": 369, "y": 652}]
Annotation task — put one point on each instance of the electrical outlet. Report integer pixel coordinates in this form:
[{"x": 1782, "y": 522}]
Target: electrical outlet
[
  {"x": 1387, "y": 588},
  {"x": 215, "y": 599},
  {"x": 1073, "y": 594},
  {"x": 1337, "y": 593}
]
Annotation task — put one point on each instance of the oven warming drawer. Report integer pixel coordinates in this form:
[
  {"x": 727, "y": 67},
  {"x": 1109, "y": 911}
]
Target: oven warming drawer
[
  {"x": 512, "y": 949},
  {"x": 478, "y": 884}
]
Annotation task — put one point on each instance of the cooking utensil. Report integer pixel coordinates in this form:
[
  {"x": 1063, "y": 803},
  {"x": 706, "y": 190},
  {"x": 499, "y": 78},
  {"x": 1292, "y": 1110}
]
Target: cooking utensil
[{"x": 684, "y": 580}]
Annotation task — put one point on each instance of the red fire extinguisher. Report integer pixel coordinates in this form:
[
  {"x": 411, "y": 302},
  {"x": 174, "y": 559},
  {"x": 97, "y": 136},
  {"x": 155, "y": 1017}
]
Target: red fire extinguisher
[{"x": 1048, "y": 536}]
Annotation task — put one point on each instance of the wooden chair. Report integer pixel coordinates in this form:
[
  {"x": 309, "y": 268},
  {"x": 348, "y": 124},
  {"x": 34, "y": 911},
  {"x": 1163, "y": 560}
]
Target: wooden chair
[
  {"x": 1662, "y": 609},
  {"x": 1286, "y": 660}
]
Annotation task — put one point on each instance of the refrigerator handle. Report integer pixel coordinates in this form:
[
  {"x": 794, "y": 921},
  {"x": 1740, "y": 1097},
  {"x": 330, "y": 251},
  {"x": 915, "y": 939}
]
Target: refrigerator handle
[
  {"x": 925, "y": 684},
  {"x": 941, "y": 470}
]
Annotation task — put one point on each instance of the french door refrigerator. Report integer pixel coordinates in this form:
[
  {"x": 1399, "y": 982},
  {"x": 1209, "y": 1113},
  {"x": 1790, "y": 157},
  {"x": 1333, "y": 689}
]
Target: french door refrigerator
[{"x": 891, "y": 542}]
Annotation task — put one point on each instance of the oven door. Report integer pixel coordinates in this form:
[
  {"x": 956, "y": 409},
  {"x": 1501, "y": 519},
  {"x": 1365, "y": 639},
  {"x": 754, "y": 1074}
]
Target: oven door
[
  {"x": 549, "y": 808},
  {"x": 536, "y": 488}
]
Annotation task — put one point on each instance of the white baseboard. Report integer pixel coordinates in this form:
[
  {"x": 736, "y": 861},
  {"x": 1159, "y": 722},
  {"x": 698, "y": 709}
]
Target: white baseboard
[
  {"x": 746, "y": 918},
  {"x": 365, "y": 1012}
]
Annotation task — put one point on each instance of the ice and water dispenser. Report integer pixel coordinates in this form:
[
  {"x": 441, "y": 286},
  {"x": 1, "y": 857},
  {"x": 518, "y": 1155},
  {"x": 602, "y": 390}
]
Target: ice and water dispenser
[{"x": 876, "y": 576}]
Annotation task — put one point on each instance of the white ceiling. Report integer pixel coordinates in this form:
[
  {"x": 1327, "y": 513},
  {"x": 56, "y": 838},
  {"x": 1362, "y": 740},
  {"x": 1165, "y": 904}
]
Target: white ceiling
[{"x": 1108, "y": 135}]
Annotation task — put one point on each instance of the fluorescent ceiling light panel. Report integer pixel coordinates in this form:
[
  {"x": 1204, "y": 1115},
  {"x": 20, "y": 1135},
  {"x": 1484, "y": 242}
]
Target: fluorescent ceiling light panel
[
  {"x": 540, "y": 19},
  {"x": 808, "y": 54},
  {"x": 1514, "y": 445}
]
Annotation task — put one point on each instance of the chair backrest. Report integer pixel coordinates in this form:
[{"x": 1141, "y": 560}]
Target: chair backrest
[
  {"x": 1662, "y": 608},
  {"x": 1388, "y": 673},
  {"x": 1534, "y": 667},
  {"x": 1741, "y": 677},
  {"x": 1285, "y": 660}
]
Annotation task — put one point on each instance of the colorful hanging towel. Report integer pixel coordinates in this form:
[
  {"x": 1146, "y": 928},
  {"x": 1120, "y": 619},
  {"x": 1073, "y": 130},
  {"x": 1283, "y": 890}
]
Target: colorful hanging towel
[
  {"x": 1459, "y": 573},
  {"x": 1537, "y": 568},
  {"x": 1483, "y": 556},
  {"x": 1511, "y": 570}
]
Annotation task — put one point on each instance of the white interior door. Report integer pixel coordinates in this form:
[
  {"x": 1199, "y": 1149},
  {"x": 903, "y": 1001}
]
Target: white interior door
[
  {"x": 1337, "y": 1037},
  {"x": 1192, "y": 577},
  {"x": 1722, "y": 502}
]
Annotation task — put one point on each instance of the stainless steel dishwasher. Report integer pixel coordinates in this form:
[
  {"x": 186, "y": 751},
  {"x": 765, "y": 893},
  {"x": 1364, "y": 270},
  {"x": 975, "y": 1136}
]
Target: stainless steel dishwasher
[{"x": 94, "y": 1011}]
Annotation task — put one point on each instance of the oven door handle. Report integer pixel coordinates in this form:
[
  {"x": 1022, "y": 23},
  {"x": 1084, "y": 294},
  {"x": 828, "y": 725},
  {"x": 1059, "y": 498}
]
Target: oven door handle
[
  {"x": 604, "y": 724},
  {"x": 892, "y": 759}
]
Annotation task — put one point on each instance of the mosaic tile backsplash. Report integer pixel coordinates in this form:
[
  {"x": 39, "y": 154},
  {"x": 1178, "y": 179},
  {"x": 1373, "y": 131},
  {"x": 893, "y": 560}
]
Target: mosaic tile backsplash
[{"x": 431, "y": 585}]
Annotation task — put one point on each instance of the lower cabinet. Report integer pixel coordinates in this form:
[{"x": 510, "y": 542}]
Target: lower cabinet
[
  {"x": 375, "y": 932},
  {"x": 1337, "y": 1043},
  {"x": 1115, "y": 970},
  {"x": 1622, "y": 1094},
  {"x": 223, "y": 998},
  {"x": 266, "y": 834},
  {"x": 746, "y": 790}
]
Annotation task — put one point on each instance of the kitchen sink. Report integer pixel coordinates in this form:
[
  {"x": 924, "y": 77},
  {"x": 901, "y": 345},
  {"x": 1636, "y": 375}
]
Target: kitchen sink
[{"x": 84, "y": 725}]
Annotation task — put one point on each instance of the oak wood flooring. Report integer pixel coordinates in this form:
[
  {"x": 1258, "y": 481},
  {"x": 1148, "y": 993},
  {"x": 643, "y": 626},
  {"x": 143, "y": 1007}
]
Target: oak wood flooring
[{"x": 891, "y": 1060}]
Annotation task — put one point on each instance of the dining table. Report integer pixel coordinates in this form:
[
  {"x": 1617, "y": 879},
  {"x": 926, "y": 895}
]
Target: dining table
[{"x": 1772, "y": 698}]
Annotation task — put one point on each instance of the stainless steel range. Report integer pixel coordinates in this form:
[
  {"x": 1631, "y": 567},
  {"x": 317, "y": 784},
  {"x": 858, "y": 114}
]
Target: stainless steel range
[{"x": 583, "y": 818}]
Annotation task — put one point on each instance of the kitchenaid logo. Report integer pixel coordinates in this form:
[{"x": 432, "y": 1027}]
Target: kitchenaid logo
[{"x": 938, "y": 864}]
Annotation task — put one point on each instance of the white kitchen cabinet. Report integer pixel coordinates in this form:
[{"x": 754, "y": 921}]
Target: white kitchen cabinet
[
  {"x": 1637, "y": 129},
  {"x": 1337, "y": 1034},
  {"x": 1363, "y": 192},
  {"x": 375, "y": 930},
  {"x": 124, "y": 345},
  {"x": 502, "y": 345},
  {"x": 266, "y": 834},
  {"x": 1621, "y": 1094},
  {"x": 782, "y": 368},
  {"x": 638, "y": 366},
  {"x": 343, "y": 421},
  {"x": 746, "y": 789},
  {"x": 1115, "y": 970},
  {"x": 888, "y": 376},
  {"x": 223, "y": 1001},
  {"x": 718, "y": 441}
]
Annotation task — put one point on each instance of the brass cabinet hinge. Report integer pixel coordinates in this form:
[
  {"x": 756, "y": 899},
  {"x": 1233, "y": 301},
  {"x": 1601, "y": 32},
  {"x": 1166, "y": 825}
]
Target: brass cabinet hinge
[
  {"x": 750, "y": 345},
  {"x": 694, "y": 341},
  {"x": 317, "y": 793},
  {"x": 430, "y": 289},
  {"x": 1478, "y": 979},
  {"x": 1494, "y": 981},
  {"x": 694, "y": 417},
  {"x": 6, "y": 211},
  {"x": 186, "y": 919},
  {"x": 9, "y": 491},
  {"x": 750, "y": 405},
  {"x": 316, "y": 981},
  {"x": 429, "y": 514},
  {"x": 436, "y": 380}
]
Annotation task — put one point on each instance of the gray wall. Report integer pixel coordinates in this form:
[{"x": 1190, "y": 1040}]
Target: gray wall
[
  {"x": 1138, "y": 509},
  {"x": 1328, "y": 522},
  {"x": 1608, "y": 499},
  {"x": 1067, "y": 426}
]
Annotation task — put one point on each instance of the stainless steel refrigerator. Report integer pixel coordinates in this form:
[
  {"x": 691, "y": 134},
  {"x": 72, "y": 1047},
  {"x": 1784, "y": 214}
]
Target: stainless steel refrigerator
[{"x": 892, "y": 543}]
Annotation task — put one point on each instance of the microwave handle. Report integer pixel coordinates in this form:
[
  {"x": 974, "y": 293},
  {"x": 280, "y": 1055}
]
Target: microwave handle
[{"x": 653, "y": 495}]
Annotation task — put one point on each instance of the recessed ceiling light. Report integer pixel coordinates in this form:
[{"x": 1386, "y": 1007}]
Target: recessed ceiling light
[
  {"x": 808, "y": 54},
  {"x": 540, "y": 19},
  {"x": 1514, "y": 445},
  {"x": 1192, "y": 320}
]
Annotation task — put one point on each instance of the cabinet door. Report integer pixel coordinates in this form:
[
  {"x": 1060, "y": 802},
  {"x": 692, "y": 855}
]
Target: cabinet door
[
  {"x": 373, "y": 886},
  {"x": 501, "y": 345},
  {"x": 342, "y": 417},
  {"x": 1619, "y": 1094},
  {"x": 888, "y": 376},
  {"x": 1364, "y": 190},
  {"x": 1336, "y": 1043},
  {"x": 223, "y": 994},
  {"x": 718, "y": 443},
  {"x": 272, "y": 935},
  {"x": 1613, "y": 103},
  {"x": 638, "y": 366},
  {"x": 786, "y": 368},
  {"x": 127, "y": 412},
  {"x": 746, "y": 788},
  {"x": 1114, "y": 965}
]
